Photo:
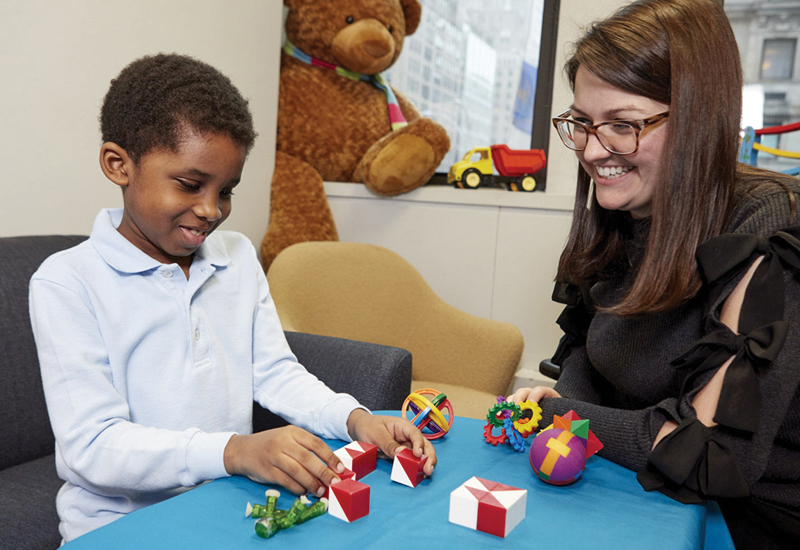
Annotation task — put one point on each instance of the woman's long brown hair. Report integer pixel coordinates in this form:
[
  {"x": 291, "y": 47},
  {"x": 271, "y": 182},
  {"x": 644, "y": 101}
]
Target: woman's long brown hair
[{"x": 683, "y": 53}]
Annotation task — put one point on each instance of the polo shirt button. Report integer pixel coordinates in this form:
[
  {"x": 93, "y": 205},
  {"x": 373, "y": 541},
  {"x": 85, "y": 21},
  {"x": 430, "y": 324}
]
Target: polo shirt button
[
  {"x": 167, "y": 274},
  {"x": 196, "y": 334}
]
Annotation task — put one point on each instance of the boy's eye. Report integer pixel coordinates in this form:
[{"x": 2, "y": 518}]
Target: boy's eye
[
  {"x": 226, "y": 193},
  {"x": 189, "y": 185}
]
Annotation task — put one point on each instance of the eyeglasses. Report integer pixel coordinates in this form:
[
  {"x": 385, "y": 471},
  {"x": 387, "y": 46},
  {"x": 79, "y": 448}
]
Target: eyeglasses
[{"x": 620, "y": 137}]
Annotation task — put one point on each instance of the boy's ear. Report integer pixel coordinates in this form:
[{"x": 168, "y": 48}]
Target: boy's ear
[{"x": 115, "y": 163}]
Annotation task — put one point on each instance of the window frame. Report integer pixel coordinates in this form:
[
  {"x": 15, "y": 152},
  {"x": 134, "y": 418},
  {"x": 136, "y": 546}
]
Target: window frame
[
  {"x": 545, "y": 79},
  {"x": 792, "y": 58}
]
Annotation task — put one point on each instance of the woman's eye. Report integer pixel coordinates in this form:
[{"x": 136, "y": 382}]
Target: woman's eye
[
  {"x": 621, "y": 128},
  {"x": 226, "y": 193}
]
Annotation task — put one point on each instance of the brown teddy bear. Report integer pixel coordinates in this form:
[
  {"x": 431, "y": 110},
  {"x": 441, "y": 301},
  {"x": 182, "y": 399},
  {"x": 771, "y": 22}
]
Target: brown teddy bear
[{"x": 337, "y": 118}]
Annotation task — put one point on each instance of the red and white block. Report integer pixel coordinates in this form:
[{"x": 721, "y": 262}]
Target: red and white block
[
  {"x": 407, "y": 468},
  {"x": 488, "y": 506},
  {"x": 359, "y": 457},
  {"x": 347, "y": 474},
  {"x": 349, "y": 500}
]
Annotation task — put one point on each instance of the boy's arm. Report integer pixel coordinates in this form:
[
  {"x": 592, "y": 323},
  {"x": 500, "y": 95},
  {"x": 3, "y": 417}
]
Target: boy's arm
[
  {"x": 105, "y": 451},
  {"x": 285, "y": 387}
]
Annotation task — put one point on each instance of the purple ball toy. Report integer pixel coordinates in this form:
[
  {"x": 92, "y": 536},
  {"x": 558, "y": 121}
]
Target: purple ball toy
[{"x": 557, "y": 456}]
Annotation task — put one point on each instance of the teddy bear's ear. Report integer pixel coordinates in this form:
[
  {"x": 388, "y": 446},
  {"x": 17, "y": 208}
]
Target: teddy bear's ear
[
  {"x": 412, "y": 11},
  {"x": 291, "y": 4}
]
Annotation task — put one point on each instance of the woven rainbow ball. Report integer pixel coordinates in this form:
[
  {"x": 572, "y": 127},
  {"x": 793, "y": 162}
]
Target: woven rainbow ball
[
  {"x": 557, "y": 456},
  {"x": 433, "y": 412}
]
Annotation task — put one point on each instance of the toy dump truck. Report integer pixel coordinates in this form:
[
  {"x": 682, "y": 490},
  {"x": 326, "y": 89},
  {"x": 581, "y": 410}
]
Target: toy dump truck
[{"x": 516, "y": 168}]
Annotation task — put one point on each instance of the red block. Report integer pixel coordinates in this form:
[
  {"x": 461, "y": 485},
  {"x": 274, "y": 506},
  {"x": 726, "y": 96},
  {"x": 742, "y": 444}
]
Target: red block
[
  {"x": 349, "y": 500},
  {"x": 347, "y": 474},
  {"x": 359, "y": 457},
  {"x": 407, "y": 468}
]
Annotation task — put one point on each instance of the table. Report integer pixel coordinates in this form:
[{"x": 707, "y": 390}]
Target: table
[{"x": 606, "y": 508}]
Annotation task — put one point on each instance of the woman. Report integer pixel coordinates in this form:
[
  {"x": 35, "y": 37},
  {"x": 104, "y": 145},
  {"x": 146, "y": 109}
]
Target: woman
[{"x": 680, "y": 275}]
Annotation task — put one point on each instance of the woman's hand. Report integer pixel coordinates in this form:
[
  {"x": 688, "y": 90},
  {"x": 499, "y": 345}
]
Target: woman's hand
[
  {"x": 533, "y": 394},
  {"x": 288, "y": 456},
  {"x": 390, "y": 433}
]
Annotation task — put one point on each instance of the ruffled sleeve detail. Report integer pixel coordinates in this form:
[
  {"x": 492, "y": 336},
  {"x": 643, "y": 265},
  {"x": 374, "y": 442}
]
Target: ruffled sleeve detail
[
  {"x": 691, "y": 465},
  {"x": 574, "y": 320},
  {"x": 694, "y": 462},
  {"x": 725, "y": 258},
  {"x": 740, "y": 398}
]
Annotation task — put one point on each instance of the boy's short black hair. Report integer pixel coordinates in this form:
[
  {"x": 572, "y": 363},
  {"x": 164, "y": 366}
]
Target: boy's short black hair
[{"x": 154, "y": 98}]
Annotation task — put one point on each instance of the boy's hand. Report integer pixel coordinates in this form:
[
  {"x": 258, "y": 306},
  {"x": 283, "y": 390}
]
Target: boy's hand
[
  {"x": 390, "y": 433},
  {"x": 289, "y": 456},
  {"x": 533, "y": 394}
]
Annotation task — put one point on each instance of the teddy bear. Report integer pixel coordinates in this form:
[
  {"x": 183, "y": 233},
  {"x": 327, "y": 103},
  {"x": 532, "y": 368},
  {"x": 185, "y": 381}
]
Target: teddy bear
[{"x": 338, "y": 119}]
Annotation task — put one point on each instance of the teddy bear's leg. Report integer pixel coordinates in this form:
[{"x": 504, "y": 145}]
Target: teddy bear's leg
[
  {"x": 404, "y": 159},
  {"x": 298, "y": 208}
]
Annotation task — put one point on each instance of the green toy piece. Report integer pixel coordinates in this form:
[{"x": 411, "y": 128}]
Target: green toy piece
[
  {"x": 271, "y": 520},
  {"x": 313, "y": 511},
  {"x": 266, "y": 527},
  {"x": 255, "y": 511}
]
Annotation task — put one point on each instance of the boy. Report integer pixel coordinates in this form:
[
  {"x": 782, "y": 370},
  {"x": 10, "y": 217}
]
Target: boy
[{"x": 155, "y": 335}]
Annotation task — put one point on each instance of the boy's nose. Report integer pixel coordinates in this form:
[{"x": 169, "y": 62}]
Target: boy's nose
[{"x": 208, "y": 209}]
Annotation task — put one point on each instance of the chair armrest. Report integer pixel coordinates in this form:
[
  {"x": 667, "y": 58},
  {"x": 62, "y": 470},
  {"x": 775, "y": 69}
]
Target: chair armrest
[
  {"x": 379, "y": 377},
  {"x": 550, "y": 369}
]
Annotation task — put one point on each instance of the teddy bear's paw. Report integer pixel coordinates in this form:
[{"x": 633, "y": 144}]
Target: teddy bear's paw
[{"x": 405, "y": 163}]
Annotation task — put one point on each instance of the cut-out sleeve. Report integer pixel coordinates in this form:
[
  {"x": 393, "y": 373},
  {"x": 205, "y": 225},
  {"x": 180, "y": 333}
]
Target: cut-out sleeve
[{"x": 695, "y": 462}]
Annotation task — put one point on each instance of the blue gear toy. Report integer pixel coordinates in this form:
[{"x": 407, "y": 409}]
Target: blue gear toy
[{"x": 514, "y": 437}]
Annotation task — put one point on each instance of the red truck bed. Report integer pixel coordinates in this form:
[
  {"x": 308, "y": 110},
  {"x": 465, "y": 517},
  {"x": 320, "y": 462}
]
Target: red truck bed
[{"x": 516, "y": 162}]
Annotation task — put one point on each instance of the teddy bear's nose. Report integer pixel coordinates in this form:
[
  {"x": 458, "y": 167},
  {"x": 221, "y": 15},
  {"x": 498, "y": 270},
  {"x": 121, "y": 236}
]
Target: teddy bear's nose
[{"x": 376, "y": 48}]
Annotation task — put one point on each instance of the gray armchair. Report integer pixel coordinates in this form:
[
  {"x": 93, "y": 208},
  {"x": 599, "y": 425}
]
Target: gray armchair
[{"x": 378, "y": 376}]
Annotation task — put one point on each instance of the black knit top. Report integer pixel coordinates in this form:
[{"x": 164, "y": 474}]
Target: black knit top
[{"x": 629, "y": 376}]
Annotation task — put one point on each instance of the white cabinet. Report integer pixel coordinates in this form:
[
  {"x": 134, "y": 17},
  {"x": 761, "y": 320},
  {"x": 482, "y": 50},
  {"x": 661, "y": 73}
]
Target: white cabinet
[{"x": 489, "y": 252}]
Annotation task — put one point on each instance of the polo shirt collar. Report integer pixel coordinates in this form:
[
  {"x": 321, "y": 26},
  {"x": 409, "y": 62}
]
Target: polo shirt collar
[{"x": 124, "y": 256}]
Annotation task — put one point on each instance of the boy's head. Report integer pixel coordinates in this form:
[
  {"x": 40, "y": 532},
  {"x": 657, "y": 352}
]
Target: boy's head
[
  {"x": 176, "y": 133},
  {"x": 155, "y": 99}
]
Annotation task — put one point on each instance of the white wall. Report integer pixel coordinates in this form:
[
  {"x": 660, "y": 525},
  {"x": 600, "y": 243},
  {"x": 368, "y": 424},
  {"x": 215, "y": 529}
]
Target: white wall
[{"x": 56, "y": 60}]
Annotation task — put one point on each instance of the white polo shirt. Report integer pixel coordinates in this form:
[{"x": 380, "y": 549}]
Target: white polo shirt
[{"x": 147, "y": 375}]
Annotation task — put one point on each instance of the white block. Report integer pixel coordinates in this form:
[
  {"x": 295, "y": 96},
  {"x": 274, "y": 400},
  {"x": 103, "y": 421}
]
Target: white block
[{"x": 487, "y": 506}]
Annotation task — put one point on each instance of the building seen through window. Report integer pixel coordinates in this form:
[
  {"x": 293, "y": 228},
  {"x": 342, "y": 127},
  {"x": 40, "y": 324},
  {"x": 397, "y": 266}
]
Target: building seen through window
[
  {"x": 767, "y": 32},
  {"x": 777, "y": 60},
  {"x": 471, "y": 66}
]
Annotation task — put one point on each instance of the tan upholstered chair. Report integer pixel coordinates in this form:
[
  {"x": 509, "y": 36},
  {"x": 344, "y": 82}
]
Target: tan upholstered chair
[{"x": 368, "y": 293}]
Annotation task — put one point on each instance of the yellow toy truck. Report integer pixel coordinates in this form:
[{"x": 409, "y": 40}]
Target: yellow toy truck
[{"x": 516, "y": 168}]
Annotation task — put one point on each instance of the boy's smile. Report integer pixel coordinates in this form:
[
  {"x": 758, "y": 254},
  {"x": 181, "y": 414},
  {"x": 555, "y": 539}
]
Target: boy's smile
[{"x": 174, "y": 200}]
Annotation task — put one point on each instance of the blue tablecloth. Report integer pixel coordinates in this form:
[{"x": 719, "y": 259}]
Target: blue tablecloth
[{"x": 606, "y": 508}]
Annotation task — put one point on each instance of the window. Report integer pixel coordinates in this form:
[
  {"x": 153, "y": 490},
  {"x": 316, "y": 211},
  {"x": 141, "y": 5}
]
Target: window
[
  {"x": 474, "y": 66},
  {"x": 777, "y": 60},
  {"x": 767, "y": 34}
]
